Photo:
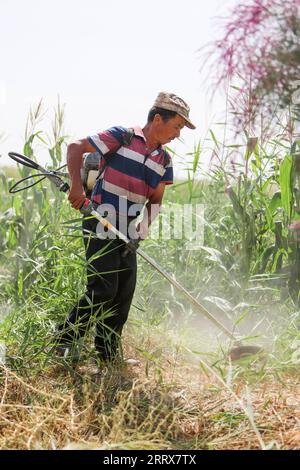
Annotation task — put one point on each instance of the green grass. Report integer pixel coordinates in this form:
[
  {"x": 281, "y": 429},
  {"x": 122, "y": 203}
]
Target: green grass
[{"x": 185, "y": 394}]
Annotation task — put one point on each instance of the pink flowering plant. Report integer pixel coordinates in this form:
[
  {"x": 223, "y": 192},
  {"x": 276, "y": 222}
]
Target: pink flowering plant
[{"x": 259, "y": 47}]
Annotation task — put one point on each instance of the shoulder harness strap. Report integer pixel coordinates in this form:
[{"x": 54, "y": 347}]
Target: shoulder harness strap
[{"x": 126, "y": 140}]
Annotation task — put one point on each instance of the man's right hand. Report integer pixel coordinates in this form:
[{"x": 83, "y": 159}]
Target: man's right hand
[
  {"x": 77, "y": 196},
  {"x": 75, "y": 153}
]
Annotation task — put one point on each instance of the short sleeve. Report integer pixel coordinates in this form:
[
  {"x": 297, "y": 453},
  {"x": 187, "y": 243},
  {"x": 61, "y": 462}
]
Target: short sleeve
[
  {"x": 107, "y": 141},
  {"x": 168, "y": 177}
]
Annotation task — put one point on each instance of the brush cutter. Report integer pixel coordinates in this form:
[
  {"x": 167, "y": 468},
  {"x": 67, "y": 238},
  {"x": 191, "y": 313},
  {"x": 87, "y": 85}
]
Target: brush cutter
[{"x": 88, "y": 209}]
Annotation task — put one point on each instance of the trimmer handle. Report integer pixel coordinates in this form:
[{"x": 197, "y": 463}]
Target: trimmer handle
[
  {"x": 87, "y": 207},
  {"x": 64, "y": 188},
  {"x": 131, "y": 246}
]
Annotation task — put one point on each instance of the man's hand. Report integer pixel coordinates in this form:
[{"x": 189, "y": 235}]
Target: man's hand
[
  {"x": 77, "y": 196},
  {"x": 75, "y": 153},
  {"x": 143, "y": 230}
]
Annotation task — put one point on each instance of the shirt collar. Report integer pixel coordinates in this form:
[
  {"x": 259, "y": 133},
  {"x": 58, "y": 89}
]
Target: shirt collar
[{"x": 139, "y": 132}]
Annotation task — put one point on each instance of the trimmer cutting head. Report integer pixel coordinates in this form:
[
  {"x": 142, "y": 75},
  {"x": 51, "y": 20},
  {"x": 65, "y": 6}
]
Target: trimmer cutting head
[{"x": 242, "y": 352}]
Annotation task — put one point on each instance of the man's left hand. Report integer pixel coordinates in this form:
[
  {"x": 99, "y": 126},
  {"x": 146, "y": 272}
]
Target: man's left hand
[{"x": 143, "y": 230}]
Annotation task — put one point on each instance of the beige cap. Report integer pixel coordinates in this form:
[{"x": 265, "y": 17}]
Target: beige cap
[{"x": 172, "y": 102}]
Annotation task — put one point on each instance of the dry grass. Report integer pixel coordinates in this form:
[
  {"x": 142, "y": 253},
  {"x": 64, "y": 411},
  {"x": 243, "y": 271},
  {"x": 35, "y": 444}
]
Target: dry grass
[{"x": 145, "y": 407}]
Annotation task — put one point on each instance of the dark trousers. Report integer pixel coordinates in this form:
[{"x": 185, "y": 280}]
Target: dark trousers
[{"x": 111, "y": 280}]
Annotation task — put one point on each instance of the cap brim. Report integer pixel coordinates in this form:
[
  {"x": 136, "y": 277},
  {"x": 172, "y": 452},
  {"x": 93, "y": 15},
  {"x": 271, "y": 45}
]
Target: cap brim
[{"x": 188, "y": 123}]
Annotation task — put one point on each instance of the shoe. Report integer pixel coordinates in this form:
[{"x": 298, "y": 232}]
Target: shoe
[
  {"x": 131, "y": 362},
  {"x": 67, "y": 352},
  {"x": 61, "y": 351}
]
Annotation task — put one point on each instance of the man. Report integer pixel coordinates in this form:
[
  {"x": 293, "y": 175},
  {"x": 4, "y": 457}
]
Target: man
[{"x": 132, "y": 176}]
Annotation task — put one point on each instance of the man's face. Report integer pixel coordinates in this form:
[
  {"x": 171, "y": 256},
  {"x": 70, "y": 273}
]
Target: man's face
[{"x": 166, "y": 131}]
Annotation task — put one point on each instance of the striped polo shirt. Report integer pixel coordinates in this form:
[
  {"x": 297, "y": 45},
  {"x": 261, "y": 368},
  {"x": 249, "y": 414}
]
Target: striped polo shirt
[{"x": 132, "y": 173}]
